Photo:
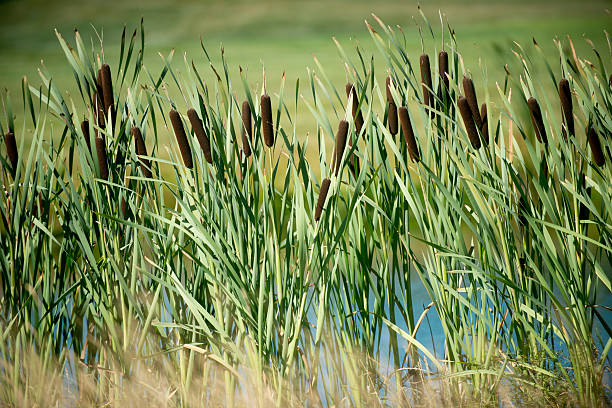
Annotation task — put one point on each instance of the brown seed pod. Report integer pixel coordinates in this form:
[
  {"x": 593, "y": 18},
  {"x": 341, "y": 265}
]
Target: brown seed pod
[
  {"x": 596, "y": 151},
  {"x": 102, "y": 162},
  {"x": 141, "y": 150},
  {"x": 107, "y": 90},
  {"x": 470, "y": 95},
  {"x": 443, "y": 68},
  {"x": 99, "y": 100},
  {"x": 392, "y": 109},
  {"x": 266, "y": 120},
  {"x": 428, "y": 98},
  {"x": 322, "y": 196},
  {"x": 246, "y": 128},
  {"x": 11, "y": 150},
  {"x": 565, "y": 96},
  {"x": 468, "y": 121},
  {"x": 413, "y": 149},
  {"x": 357, "y": 116},
  {"x": 484, "y": 130},
  {"x": 85, "y": 131},
  {"x": 181, "y": 138},
  {"x": 536, "y": 120},
  {"x": 201, "y": 135},
  {"x": 340, "y": 143},
  {"x": 123, "y": 207}
]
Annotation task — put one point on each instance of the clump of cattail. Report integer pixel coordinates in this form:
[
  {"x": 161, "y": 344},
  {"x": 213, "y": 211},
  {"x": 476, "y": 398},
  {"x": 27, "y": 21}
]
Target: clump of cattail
[
  {"x": 181, "y": 138},
  {"x": 565, "y": 96},
  {"x": 468, "y": 121},
  {"x": 428, "y": 98},
  {"x": 413, "y": 149},
  {"x": 392, "y": 109},
  {"x": 357, "y": 116},
  {"x": 141, "y": 150},
  {"x": 11, "y": 150},
  {"x": 484, "y": 130},
  {"x": 246, "y": 128},
  {"x": 201, "y": 135},
  {"x": 340, "y": 143},
  {"x": 102, "y": 163},
  {"x": 470, "y": 95},
  {"x": 596, "y": 151},
  {"x": 443, "y": 68},
  {"x": 322, "y": 196},
  {"x": 536, "y": 120},
  {"x": 266, "y": 120},
  {"x": 107, "y": 91}
]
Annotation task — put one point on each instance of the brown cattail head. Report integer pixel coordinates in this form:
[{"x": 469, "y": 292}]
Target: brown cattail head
[
  {"x": 392, "y": 110},
  {"x": 340, "y": 143},
  {"x": 11, "y": 150},
  {"x": 266, "y": 120},
  {"x": 100, "y": 100},
  {"x": 181, "y": 138},
  {"x": 484, "y": 130},
  {"x": 85, "y": 130},
  {"x": 565, "y": 96},
  {"x": 141, "y": 150},
  {"x": 322, "y": 196},
  {"x": 102, "y": 163},
  {"x": 536, "y": 120},
  {"x": 443, "y": 68},
  {"x": 470, "y": 95},
  {"x": 413, "y": 149},
  {"x": 357, "y": 116},
  {"x": 584, "y": 210},
  {"x": 596, "y": 151},
  {"x": 426, "y": 81},
  {"x": 107, "y": 91},
  {"x": 201, "y": 135},
  {"x": 246, "y": 128},
  {"x": 124, "y": 207},
  {"x": 468, "y": 121}
]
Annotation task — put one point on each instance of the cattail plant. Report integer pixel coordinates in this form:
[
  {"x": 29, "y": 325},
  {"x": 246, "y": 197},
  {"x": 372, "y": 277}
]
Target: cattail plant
[
  {"x": 266, "y": 120},
  {"x": 181, "y": 138},
  {"x": 443, "y": 69},
  {"x": 11, "y": 150},
  {"x": 428, "y": 99},
  {"x": 322, "y": 196},
  {"x": 596, "y": 150},
  {"x": 340, "y": 143},
  {"x": 102, "y": 163},
  {"x": 470, "y": 95},
  {"x": 246, "y": 128},
  {"x": 565, "y": 96},
  {"x": 536, "y": 120},
  {"x": 107, "y": 91},
  {"x": 413, "y": 149},
  {"x": 99, "y": 101},
  {"x": 357, "y": 116},
  {"x": 392, "y": 109},
  {"x": 85, "y": 131},
  {"x": 200, "y": 133},
  {"x": 484, "y": 130},
  {"x": 141, "y": 150},
  {"x": 468, "y": 121}
]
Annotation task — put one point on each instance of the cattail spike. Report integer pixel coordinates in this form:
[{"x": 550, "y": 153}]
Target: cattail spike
[
  {"x": 357, "y": 116},
  {"x": 201, "y": 135},
  {"x": 468, "y": 121},
  {"x": 102, "y": 162},
  {"x": 11, "y": 150},
  {"x": 100, "y": 100},
  {"x": 565, "y": 96},
  {"x": 428, "y": 98},
  {"x": 536, "y": 120},
  {"x": 181, "y": 138},
  {"x": 340, "y": 143},
  {"x": 107, "y": 91},
  {"x": 322, "y": 196},
  {"x": 413, "y": 149},
  {"x": 484, "y": 130},
  {"x": 392, "y": 109},
  {"x": 85, "y": 131},
  {"x": 246, "y": 128},
  {"x": 141, "y": 150},
  {"x": 443, "y": 68},
  {"x": 596, "y": 151},
  {"x": 266, "y": 120},
  {"x": 470, "y": 95}
]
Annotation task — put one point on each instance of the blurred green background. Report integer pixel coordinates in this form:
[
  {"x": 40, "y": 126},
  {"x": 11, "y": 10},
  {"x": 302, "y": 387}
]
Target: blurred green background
[{"x": 285, "y": 35}]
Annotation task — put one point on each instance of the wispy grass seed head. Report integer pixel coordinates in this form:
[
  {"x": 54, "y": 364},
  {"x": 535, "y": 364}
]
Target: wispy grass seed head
[
  {"x": 181, "y": 138},
  {"x": 266, "y": 120},
  {"x": 200, "y": 133}
]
